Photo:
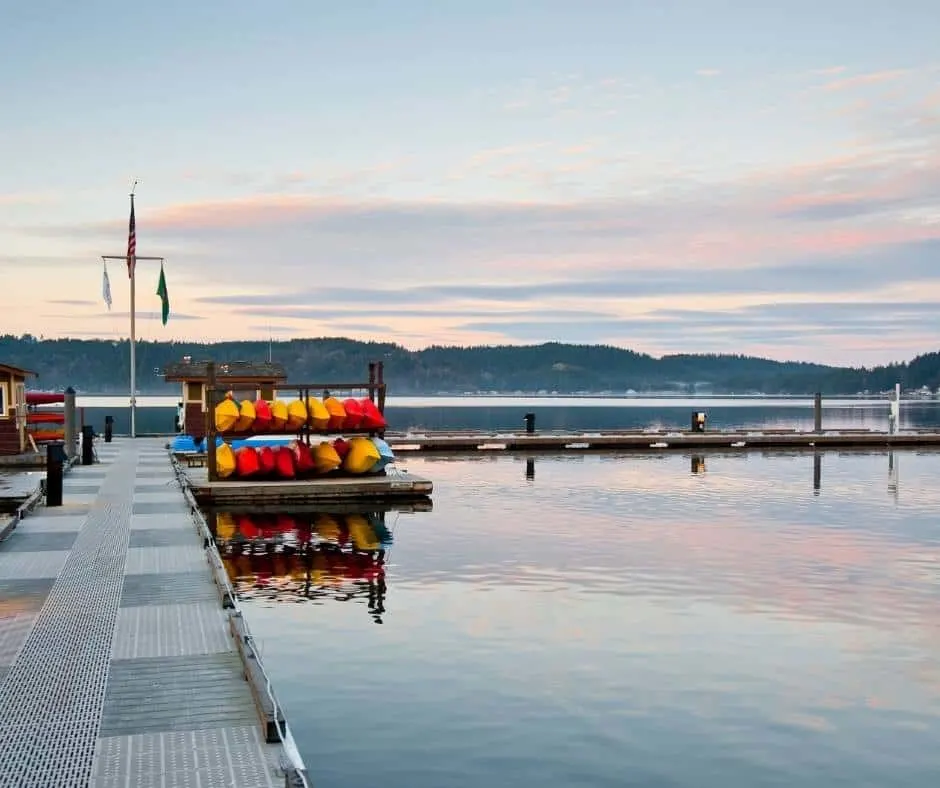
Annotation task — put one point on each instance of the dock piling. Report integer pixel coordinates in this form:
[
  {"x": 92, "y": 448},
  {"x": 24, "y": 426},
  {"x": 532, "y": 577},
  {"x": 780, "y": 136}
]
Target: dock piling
[
  {"x": 70, "y": 430},
  {"x": 55, "y": 468},
  {"x": 88, "y": 444},
  {"x": 817, "y": 412},
  {"x": 529, "y": 420}
]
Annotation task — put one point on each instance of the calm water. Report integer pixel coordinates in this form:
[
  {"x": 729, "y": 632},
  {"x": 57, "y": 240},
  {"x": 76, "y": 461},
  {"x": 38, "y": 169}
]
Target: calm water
[
  {"x": 156, "y": 414},
  {"x": 727, "y": 619}
]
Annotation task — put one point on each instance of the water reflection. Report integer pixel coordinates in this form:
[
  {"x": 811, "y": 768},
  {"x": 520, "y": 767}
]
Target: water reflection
[{"x": 308, "y": 555}]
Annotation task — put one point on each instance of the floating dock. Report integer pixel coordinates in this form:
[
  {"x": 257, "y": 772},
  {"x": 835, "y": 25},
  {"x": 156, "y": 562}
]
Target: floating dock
[
  {"x": 123, "y": 653},
  {"x": 392, "y": 486},
  {"x": 651, "y": 440}
]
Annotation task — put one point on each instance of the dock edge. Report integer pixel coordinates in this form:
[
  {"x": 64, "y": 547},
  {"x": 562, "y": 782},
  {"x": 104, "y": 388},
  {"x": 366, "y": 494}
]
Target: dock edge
[{"x": 276, "y": 729}]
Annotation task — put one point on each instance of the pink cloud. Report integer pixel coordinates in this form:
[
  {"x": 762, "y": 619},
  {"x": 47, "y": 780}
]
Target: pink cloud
[{"x": 861, "y": 80}]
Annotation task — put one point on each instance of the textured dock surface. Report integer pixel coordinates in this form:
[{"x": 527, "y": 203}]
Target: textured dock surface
[{"x": 116, "y": 663}]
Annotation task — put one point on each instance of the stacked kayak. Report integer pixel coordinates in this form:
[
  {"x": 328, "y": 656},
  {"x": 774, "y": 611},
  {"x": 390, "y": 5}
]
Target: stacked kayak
[
  {"x": 359, "y": 455},
  {"x": 327, "y": 415}
]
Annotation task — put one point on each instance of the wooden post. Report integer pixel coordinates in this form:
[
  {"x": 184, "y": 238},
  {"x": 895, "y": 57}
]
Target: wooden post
[
  {"x": 372, "y": 380},
  {"x": 70, "y": 431},
  {"x": 380, "y": 379},
  {"x": 817, "y": 412},
  {"x": 210, "y": 422}
]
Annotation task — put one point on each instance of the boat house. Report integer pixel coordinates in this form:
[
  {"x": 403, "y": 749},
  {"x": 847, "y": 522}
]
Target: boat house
[
  {"x": 245, "y": 379},
  {"x": 13, "y": 409}
]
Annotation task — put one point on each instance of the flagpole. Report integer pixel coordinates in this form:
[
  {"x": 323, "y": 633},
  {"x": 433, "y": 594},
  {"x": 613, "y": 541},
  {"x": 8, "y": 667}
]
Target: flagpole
[{"x": 133, "y": 345}]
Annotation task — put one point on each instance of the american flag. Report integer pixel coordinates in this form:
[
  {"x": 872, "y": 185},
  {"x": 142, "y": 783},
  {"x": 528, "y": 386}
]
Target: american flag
[{"x": 131, "y": 242}]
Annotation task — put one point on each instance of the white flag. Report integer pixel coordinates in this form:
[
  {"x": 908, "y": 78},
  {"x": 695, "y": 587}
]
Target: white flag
[{"x": 106, "y": 287}]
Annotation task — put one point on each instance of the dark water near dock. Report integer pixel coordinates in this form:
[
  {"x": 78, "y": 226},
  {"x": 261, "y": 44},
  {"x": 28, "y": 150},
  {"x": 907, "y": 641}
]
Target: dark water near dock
[{"x": 718, "y": 620}]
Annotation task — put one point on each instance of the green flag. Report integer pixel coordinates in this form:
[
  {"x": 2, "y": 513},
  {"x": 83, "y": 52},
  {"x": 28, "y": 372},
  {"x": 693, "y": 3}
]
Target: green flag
[{"x": 164, "y": 296}]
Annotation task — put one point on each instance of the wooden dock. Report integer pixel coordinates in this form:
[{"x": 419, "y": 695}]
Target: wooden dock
[
  {"x": 123, "y": 654},
  {"x": 651, "y": 440},
  {"x": 394, "y": 486}
]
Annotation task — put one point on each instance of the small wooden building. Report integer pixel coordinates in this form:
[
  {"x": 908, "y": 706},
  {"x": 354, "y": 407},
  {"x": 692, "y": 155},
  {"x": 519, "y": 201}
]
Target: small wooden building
[
  {"x": 245, "y": 379},
  {"x": 13, "y": 409}
]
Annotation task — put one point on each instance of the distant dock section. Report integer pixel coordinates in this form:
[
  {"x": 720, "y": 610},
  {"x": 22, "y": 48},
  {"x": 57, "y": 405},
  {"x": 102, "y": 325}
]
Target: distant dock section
[{"x": 651, "y": 440}]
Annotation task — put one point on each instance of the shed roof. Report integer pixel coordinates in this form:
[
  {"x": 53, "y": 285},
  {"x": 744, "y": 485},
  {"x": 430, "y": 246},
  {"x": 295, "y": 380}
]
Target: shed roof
[
  {"x": 18, "y": 371},
  {"x": 228, "y": 370}
]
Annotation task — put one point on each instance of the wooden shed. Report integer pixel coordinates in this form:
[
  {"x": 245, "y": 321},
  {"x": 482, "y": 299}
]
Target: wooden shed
[
  {"x": 13, "y": 409},
  {"x": 246, "y": 379}
]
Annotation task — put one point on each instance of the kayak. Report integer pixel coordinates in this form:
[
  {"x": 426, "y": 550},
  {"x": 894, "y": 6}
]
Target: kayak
[
  {"x": 278, "y": 415},
  {"x": 325, "y": 458},
  {"x": 246, "y": 416},
  {"x": 266, "y": 460},
  {"x": 285, "y": 466},
  {"x": 226, "y": 415},
  {"x": 362, "y": 455},
  {"x": 224, "y": 460},
  {"x": 386, "y": 455},
  {"x": 44, "y": 398},
  {"x": 372, "y": 418},
  {"x": 263, "y": 417},
  {"x": 337, "y": 413},
  {"x": 296, "y": 415},
  {"x": 45, "y": 417},
  {"x": 318, "y": 417},
  {"x": 246, "y": 461},
  {"x": 353, "y": 410},
  {"x": 302, "y": 457},
  {"x": 342, "y": 447}
]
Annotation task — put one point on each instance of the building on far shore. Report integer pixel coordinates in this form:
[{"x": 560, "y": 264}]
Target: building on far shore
[
  {"x": 13, "y": 439},
  {"x": 245, "y": 379}
]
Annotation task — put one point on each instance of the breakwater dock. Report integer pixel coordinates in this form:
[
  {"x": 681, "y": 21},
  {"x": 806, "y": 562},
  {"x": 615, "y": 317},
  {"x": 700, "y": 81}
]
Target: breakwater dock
[{"x": 124, "y": 657}]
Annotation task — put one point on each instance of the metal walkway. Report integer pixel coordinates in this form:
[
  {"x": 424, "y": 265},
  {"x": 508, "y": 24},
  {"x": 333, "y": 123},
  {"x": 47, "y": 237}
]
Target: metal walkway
[{"x": 116, "y": 663}]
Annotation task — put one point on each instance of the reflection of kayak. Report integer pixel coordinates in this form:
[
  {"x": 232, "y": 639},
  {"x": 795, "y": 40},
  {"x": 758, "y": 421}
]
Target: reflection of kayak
[
  {"x": 362, "y": 455},
  {"x": 224, "y": 525},
  {"x": 361, "y": 533},
  {"x": 327, "y": 528},
  {"x": 318, "y": 417}
]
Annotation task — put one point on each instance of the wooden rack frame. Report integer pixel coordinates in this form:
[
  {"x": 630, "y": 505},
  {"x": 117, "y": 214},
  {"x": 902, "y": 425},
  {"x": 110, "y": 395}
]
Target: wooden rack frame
[{"x": 214, "y": 394}]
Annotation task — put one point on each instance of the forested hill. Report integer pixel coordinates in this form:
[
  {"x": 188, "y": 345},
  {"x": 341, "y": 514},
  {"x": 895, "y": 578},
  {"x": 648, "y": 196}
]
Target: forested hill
[{"x": 102, "y": 366}]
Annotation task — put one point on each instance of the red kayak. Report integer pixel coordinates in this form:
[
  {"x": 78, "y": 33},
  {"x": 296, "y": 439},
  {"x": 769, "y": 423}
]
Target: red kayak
[
  {"x": 43, "y": 398},
  {"x": 45, "y": 417},
  {"x": 353, "y": 414},
  {"x": 341, "y": 447},
  {"x": 285, "y": 465},
  {"x": 266, "y": 460},
  {"x": 372, "y": 418},
  {"x": 246, "y": 462},
  {"x": 302, "y": 457},
  {"x": 263, "y": 416}
]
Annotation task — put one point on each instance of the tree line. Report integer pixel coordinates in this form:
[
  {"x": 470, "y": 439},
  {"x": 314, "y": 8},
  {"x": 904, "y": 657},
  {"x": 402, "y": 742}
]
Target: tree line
[{"x": 102, "y": 366}]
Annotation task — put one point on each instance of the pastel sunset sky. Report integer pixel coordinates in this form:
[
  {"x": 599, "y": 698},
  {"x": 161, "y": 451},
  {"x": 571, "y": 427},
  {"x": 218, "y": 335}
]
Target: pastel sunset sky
[{"x": 668, "y": 176}]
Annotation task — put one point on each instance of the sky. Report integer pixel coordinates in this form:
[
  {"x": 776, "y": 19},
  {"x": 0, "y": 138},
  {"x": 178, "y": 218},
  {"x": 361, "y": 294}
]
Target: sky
[{"x": 679, "y": 176}]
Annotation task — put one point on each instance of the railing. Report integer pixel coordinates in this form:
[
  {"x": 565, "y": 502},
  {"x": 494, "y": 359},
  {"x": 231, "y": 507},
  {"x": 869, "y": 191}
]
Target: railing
[{"x": 295, "y": 771}]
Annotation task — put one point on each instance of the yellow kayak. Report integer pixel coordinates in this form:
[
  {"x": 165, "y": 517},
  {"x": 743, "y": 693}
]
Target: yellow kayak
[
  {"x": 246, "y": 416},
  {"x": 361, "y": 533},
  {"x": 362, "y": 455},
  {"x": 278, "y": 415},
  {"x": 224, "y": 460},
  {"x": 336, "y": 411},
  {"x": 226, "y": 415},
  {"x": 318, "y": 417},
  {"x": 325, "y": 458},
  {"x": 296, "y": 415}
]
